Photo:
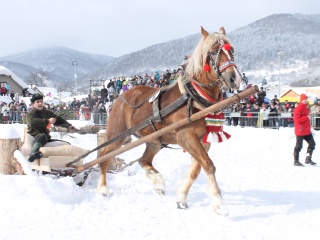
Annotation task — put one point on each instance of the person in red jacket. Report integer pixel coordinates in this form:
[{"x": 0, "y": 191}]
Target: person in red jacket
[{"x": 302, "y": 129}]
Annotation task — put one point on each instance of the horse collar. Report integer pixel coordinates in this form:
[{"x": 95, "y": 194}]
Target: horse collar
[
  {"x": 204, "y": 95},
  {"x": 199, "y": 96}
]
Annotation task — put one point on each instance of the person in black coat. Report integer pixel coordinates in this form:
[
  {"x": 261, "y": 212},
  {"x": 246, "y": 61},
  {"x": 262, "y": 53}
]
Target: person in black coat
[
  {"x": 242, "y": 111},
  {"x": 24, "y": 92},
  {"x": 273, "y": 116},
  {"x": 261, "y": 94},
  {"x": 104, "y": 95},
  {"x": 12, "y": 94}
]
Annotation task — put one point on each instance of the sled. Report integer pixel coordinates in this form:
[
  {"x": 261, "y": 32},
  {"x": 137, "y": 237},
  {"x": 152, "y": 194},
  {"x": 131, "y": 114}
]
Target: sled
[{"x": 55, "y": 155}]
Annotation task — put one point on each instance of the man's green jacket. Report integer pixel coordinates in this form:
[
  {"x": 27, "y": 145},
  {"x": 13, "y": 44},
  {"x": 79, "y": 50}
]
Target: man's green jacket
[{"x": 38, "y": 120}]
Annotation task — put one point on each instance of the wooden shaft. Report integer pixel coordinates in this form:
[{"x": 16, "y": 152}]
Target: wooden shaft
[{"x": 180, "y": 123}]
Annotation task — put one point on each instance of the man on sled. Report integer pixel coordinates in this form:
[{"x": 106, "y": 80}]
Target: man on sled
[{"x": 39, "y": 120}]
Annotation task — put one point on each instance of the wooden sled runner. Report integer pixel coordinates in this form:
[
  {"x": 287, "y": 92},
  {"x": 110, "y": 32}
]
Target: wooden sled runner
[{"x": 55, "y": 155}]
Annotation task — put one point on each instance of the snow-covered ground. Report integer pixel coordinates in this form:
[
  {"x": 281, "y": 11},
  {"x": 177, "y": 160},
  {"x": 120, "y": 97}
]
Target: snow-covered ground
[{"x": 267, "y": 197}]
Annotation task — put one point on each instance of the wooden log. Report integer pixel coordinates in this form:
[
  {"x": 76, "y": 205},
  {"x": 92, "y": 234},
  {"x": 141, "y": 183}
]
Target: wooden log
[
  {"x": 7, "y": 147},
  {"x": 17, "y": 166},
  {"x": 214, "y": 108}
]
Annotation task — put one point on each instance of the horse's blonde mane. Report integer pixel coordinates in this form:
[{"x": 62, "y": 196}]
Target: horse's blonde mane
[{"x": 200, "y": 53}]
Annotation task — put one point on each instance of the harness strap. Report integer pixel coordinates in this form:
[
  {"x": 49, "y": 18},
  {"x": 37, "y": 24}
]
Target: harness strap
[
  {"x": 153, "y": 126},
  {"x": 156, "y": 111},
  {"x": 189, "y": 108},
  {"x": 144, "y": 123},
  {"x": 140, "y": 104}
]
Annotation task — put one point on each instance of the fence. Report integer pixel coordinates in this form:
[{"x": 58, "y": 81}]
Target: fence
[
  {"x": 234, "y": 118},
  {"x": 20, "y": 117},
  {"x": 254, "y": 119}
]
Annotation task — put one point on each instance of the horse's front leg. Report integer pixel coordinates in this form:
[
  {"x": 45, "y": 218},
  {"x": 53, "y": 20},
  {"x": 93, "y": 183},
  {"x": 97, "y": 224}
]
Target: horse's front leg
[
  {"x": 152, "y": 148},
  {"x": 199, "y": 152}
]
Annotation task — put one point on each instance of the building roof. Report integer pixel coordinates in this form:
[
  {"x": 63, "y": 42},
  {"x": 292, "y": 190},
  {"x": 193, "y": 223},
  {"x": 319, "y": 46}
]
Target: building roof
[
  {"x": 7, "y": 72},
  {"x": 311, "y": 92}
]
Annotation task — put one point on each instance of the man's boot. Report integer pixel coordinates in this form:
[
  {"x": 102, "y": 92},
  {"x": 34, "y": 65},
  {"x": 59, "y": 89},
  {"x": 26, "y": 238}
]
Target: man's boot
[
  {"x": 296, "y": 160},
  {"x": 34, "y": 156},
  {"x": 309, "y": 160}
]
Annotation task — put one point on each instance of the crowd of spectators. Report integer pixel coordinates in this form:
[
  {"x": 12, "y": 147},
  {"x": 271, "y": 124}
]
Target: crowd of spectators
[
  {"x": 256, "y": 112},
  {"x": 122, "y": 84},
  {"x": 94, "y": 107},
  {"x": 99, "y": 104},
  {"x": 251, "y": 112}
]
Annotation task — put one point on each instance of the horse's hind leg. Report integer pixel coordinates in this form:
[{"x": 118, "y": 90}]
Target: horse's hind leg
[
  {"x": 152, "y": 148},
  {"x": 183, "y": 191},
  {"x": 102, "y": 183}
]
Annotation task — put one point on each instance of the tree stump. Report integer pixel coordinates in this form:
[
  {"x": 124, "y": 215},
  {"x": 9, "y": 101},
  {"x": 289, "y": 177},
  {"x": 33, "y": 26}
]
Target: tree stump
[{"x": 7, "y": 147}]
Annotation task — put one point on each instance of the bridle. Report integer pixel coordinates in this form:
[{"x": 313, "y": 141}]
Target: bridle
[
  {"x": 213, "y": 57},
  {"x": 218, "y": 67},
  {"x": 195, "y": 87}
]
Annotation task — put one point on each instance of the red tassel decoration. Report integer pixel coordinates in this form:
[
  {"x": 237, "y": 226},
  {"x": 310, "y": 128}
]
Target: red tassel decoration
[
  {"x": 206, "y": 68},
  {"x": 227, "y": 47},
  {"x": 214, "y": 128}
]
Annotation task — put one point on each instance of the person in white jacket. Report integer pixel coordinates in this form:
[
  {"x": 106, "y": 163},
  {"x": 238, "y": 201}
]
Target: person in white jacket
[
  {"x": 265, "y": 115},
  {"x": 5, "y": 112},
  {"x": 242, "y": 86}
]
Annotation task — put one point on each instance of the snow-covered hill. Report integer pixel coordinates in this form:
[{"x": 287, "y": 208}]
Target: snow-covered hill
[{"x": 257, "y": 48}]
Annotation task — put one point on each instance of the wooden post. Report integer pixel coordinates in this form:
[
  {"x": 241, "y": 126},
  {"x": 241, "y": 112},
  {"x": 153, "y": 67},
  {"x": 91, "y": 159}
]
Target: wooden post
[
  {"x": 101, "y": 138},
  {"x": 9, "y": 142}
]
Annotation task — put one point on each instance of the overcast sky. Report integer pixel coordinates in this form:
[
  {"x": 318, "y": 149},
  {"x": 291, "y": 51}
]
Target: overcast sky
[{"x": 117, "y": 27}]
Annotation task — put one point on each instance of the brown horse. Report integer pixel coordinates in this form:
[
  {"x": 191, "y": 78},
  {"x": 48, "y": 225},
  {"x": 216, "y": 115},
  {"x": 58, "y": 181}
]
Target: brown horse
[{"x": 210, "y": 69}]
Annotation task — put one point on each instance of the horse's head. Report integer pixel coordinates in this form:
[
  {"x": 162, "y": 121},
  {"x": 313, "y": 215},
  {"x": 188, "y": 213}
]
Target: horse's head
[{"x": 213, "y": 58}]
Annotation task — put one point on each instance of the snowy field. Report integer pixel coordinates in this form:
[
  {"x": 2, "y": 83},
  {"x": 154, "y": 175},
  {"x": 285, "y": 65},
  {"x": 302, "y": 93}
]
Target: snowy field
[{"x": 267, "y": 197}]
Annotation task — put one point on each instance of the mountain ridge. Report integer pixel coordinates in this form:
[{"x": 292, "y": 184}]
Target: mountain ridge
[{"x": 257, "y": 46}]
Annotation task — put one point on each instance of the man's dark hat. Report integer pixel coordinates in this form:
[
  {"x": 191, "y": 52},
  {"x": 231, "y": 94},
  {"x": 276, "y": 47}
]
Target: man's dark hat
[{"x": 36, "y": 97}]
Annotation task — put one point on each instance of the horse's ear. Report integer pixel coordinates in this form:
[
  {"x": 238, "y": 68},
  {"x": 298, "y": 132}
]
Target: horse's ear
[
  {"x": 222, "y": 31},
  {"x": 204, "y": 32}
]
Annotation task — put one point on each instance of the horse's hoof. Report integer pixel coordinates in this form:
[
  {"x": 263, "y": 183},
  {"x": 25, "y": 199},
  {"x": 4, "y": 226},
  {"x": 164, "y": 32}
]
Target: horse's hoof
[
  {"x": 222, "y": 210},
  {"x": 182, "y": 205},
  {"x": 104, "y": 191},
  {"x": 160, "y": 191}
]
